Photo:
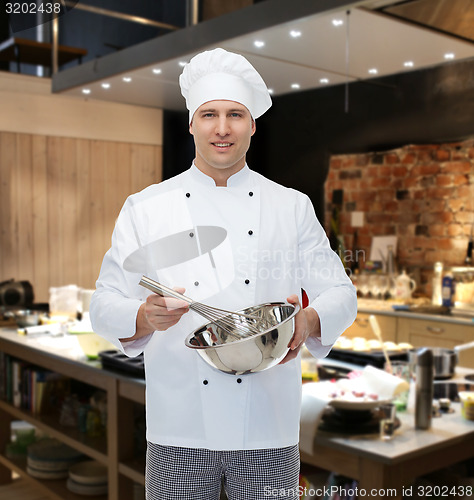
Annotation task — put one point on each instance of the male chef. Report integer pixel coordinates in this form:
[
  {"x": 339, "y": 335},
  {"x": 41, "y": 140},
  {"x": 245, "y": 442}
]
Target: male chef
[{"x": 231, "y": 238}]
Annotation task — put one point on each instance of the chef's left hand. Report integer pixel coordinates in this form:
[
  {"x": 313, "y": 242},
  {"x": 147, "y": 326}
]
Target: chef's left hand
[{"x": 306, "y": 324}]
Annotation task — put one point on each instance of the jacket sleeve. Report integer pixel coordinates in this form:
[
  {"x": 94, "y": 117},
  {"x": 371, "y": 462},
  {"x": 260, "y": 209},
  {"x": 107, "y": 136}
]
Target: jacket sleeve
[
  {"x": 115, "y": 303},
  {"x": 324, "y": 279}
]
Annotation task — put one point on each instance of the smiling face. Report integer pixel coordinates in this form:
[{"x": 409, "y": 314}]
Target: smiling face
[{"x": 222, "y": 132}]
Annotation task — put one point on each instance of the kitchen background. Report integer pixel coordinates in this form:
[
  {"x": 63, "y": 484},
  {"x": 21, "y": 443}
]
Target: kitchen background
[
  {"x": 423, "y": 194},
  {"x": 400, "y": 147}
]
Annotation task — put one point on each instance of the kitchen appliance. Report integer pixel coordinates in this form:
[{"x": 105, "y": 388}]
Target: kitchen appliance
[
  {"x": 237, "y": 325},
  {"x": 17, "y": 294},
  {"x": 445, "y": 360},
  {"x": 424, "y": 388},
  {"x": 247, "y": 355}
]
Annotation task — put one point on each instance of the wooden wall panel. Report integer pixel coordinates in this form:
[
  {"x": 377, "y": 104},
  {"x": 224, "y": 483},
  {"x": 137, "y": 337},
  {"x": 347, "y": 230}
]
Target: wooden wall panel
[
  {"x": 9, "y": 245},
  {"x": 59, "y": 199},
  {"x": 84, "y": 215},
  {"x": 39, "y": 207},
  {"x": 23, "y": 187}
]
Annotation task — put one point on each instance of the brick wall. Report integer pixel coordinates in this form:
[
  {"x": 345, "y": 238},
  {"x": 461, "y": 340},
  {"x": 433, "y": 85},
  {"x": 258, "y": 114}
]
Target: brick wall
[{"x": 422, "y": 194}]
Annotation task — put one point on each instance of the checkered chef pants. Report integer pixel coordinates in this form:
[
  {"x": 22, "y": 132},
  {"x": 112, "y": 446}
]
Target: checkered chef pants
[{"x": 175, "y": 473}]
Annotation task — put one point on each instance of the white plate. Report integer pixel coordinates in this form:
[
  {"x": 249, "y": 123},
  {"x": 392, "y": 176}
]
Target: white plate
[
  {"x": 331, "y": 392},
  {"x": 83, "y": 489},
  {"x": 347, "y": 404},
  {"x": 88, "y": 473}
]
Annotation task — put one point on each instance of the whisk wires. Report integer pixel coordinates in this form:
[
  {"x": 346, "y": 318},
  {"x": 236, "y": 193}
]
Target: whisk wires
[{"x": 237, "y": 325}]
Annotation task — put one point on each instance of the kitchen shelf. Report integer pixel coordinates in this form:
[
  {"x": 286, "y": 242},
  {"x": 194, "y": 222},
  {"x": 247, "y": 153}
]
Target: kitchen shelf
[
  {"x": 96, "y": 448},
  {"x": 134, "y": 470},
  {"x": 116, "y": 450},
  {"x": 56, "y": 488}
]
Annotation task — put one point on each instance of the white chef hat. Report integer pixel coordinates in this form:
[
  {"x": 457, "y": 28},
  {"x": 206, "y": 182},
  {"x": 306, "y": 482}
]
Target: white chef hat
[{"x": 220, "y": 75}]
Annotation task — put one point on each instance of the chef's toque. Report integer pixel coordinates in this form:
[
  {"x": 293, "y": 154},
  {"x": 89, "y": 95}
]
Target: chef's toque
[{"x": 220, "y": 75}]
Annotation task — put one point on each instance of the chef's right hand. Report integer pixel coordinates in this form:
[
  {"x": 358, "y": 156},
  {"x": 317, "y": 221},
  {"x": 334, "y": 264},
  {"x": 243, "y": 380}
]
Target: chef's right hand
[
  {"x": 158, "y": 313},
  {"x": 163, "y": 312}
]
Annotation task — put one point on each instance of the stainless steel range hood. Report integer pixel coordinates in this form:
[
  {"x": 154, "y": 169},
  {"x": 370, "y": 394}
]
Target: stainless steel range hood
[{"x": 334, "y": 42}]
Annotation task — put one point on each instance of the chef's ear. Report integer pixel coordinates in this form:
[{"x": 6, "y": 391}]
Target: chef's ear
[
  {"x": 191, "y": 127},
  {"x": 254, "y": 126}
]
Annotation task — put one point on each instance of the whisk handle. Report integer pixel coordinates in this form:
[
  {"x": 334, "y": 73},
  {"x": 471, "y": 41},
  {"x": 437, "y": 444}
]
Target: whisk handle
[{"x": 162, "y": 290}]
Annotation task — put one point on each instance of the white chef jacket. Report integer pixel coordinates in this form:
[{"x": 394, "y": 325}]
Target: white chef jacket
[{"x": 248, "y": 243}]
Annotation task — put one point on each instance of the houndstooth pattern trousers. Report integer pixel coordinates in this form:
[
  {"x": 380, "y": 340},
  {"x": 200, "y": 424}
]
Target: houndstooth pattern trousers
[{"x": 175, "y": 473}]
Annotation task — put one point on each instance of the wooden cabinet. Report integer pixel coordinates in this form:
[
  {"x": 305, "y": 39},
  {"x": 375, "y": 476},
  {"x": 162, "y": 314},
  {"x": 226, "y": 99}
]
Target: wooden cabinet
[
  {"x": 422, "y": 332},
  {"x": 115, "y": 449},
  {"x": 361, "y": 327}
]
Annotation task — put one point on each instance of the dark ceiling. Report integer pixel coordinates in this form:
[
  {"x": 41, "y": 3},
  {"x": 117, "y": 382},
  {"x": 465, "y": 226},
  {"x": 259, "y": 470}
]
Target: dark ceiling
[{"x": 455, "y": 17}]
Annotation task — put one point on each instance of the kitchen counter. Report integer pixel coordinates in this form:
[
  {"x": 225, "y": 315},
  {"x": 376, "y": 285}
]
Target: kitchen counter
[
  {"x": 114, "y": 449},
  {"x": 388, "y": 468},
  {"x": 374, "y": 463},
  {"x": 384, "y": 308}
]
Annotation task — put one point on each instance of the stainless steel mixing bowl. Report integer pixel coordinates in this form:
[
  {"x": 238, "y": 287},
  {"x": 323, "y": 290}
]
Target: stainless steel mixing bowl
[
  {"x": 251, "y": 354},
  {"x": 27, "y": 317}
]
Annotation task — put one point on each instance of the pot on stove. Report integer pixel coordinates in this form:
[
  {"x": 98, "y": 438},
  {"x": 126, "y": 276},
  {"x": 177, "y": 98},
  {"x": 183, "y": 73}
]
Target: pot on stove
[{"x": 445, "y": 360}]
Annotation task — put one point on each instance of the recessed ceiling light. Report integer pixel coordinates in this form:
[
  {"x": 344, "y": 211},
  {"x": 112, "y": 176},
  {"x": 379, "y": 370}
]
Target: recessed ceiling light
[
  {"x": 324, "y": 80},
  {"x": 157, "y": 71},
  {"x": 295, "y": 85},
  {"x": 105, "y": 85},
  {"x": 337, "y": 22},
  {"x": 295, "y": 33},
  {"x": 127, "y": 79},
  {"x": 259, "y": 44},
  {"x": 449, "y": 55},
  {"x": 408, "y": 64},
  {"x": 373, "y": 71},
  {"x": 86, "y": 91},
  {"x": 182, "y": 63},
  {"x": 270, "y": 91}
]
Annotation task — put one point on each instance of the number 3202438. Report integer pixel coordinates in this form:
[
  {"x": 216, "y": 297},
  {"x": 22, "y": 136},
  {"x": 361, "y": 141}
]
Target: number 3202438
[{"x": 33, "y": 8}]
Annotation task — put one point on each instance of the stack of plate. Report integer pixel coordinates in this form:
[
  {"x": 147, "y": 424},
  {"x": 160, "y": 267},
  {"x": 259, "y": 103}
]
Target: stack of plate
[
  {"x": 88, "y": 478},
  {"x": 50, "y": 459}
]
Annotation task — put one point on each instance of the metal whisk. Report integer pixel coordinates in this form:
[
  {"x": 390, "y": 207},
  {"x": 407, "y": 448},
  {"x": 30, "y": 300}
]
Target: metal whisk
[{"x": 236, "y": 324}]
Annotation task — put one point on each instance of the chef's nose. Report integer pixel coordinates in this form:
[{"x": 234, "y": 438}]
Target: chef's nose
[{"x": 222, "y": 126}]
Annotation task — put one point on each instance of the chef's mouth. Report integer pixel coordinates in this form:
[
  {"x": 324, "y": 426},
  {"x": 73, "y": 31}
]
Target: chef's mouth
[{"x": 222, "y": 145}]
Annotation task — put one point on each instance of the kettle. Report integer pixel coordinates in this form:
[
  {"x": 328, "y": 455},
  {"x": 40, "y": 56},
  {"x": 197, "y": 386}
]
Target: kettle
[{"x": 404, "y": 286}]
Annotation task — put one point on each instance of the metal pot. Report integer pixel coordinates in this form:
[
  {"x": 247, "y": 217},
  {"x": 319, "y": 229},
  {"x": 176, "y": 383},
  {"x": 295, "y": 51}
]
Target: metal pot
[{"x": 445, "y": 360}]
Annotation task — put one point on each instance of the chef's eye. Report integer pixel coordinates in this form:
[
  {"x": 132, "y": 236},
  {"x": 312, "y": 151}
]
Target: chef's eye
[{"x": 236, "y": 115}]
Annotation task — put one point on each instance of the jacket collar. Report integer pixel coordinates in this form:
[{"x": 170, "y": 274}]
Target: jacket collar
[{"x": 240, "y": 178}]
